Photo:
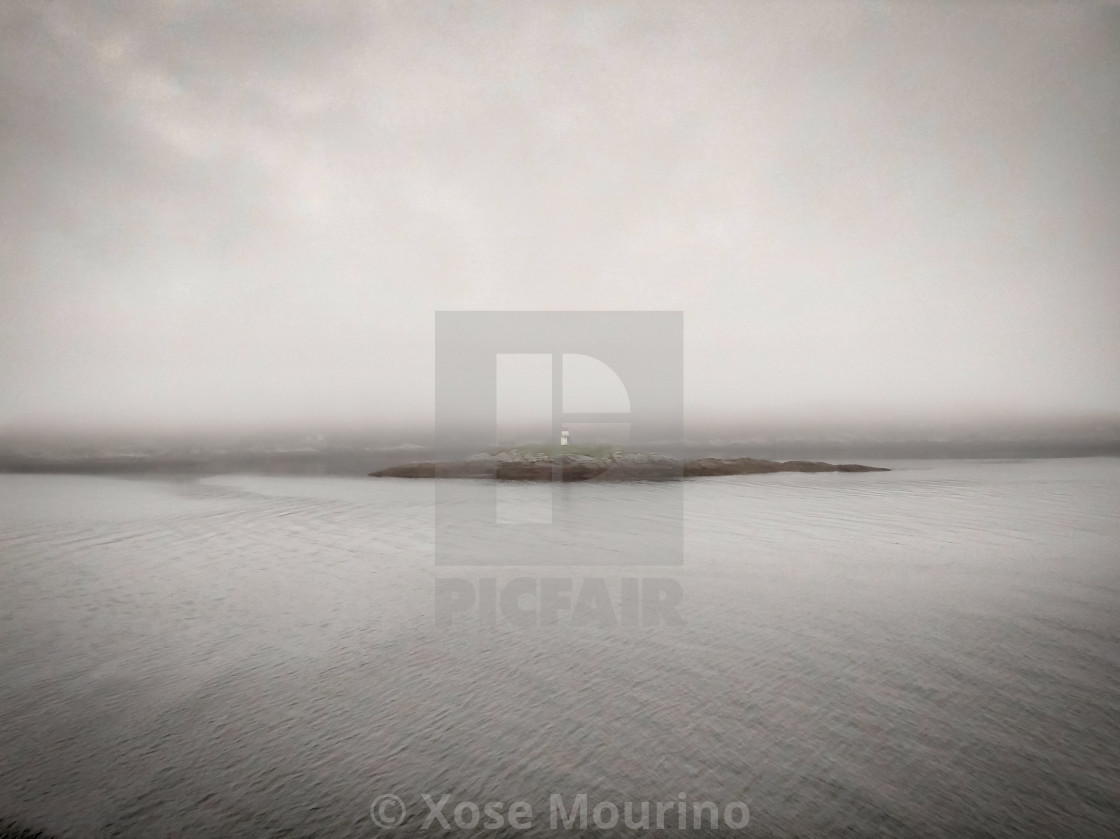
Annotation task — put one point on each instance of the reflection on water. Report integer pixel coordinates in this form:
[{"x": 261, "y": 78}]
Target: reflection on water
[{"x": 931, "y": 651}]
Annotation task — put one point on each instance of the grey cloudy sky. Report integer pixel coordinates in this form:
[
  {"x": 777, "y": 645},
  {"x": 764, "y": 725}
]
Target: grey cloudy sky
[{"x": 246, "y": 212}]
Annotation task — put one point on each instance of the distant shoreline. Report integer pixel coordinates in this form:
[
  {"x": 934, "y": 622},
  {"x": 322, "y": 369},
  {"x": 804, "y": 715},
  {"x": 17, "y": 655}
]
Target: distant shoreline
[{"x": 361, "y": 461}]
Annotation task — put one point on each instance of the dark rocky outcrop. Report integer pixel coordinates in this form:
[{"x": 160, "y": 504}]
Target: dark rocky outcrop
[
  {"x": 709, "y": 466},
  {"x": 617, "y": 466}
]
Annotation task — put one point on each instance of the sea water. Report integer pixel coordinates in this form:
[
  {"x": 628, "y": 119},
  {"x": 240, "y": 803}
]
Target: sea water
[{"x": 930, "y": 651}]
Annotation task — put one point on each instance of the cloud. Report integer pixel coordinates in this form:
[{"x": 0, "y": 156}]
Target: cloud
[{"x": 252, "y": 211}]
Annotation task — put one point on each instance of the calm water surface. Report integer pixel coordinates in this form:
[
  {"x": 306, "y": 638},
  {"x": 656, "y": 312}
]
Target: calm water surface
[{"x": 933, "y": 651}]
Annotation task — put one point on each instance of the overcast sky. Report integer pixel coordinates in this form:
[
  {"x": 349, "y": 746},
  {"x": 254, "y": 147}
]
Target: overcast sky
[{"x": 246, "y": 212}]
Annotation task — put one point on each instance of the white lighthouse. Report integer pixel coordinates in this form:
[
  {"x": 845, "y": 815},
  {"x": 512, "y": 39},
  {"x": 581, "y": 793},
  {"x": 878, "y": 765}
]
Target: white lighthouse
[{"x": 564, "y": 435}]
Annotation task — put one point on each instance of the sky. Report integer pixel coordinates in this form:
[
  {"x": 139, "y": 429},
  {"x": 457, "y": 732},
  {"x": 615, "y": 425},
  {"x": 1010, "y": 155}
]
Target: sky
[{"x": 235, "y": 214}]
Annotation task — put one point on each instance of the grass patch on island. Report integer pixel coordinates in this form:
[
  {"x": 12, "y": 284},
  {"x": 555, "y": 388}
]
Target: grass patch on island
[{"x": 556, "y": 450}]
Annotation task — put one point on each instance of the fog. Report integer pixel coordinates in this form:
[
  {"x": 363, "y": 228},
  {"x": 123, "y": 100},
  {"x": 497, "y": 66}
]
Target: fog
[{"x": 246, "y": 215}]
